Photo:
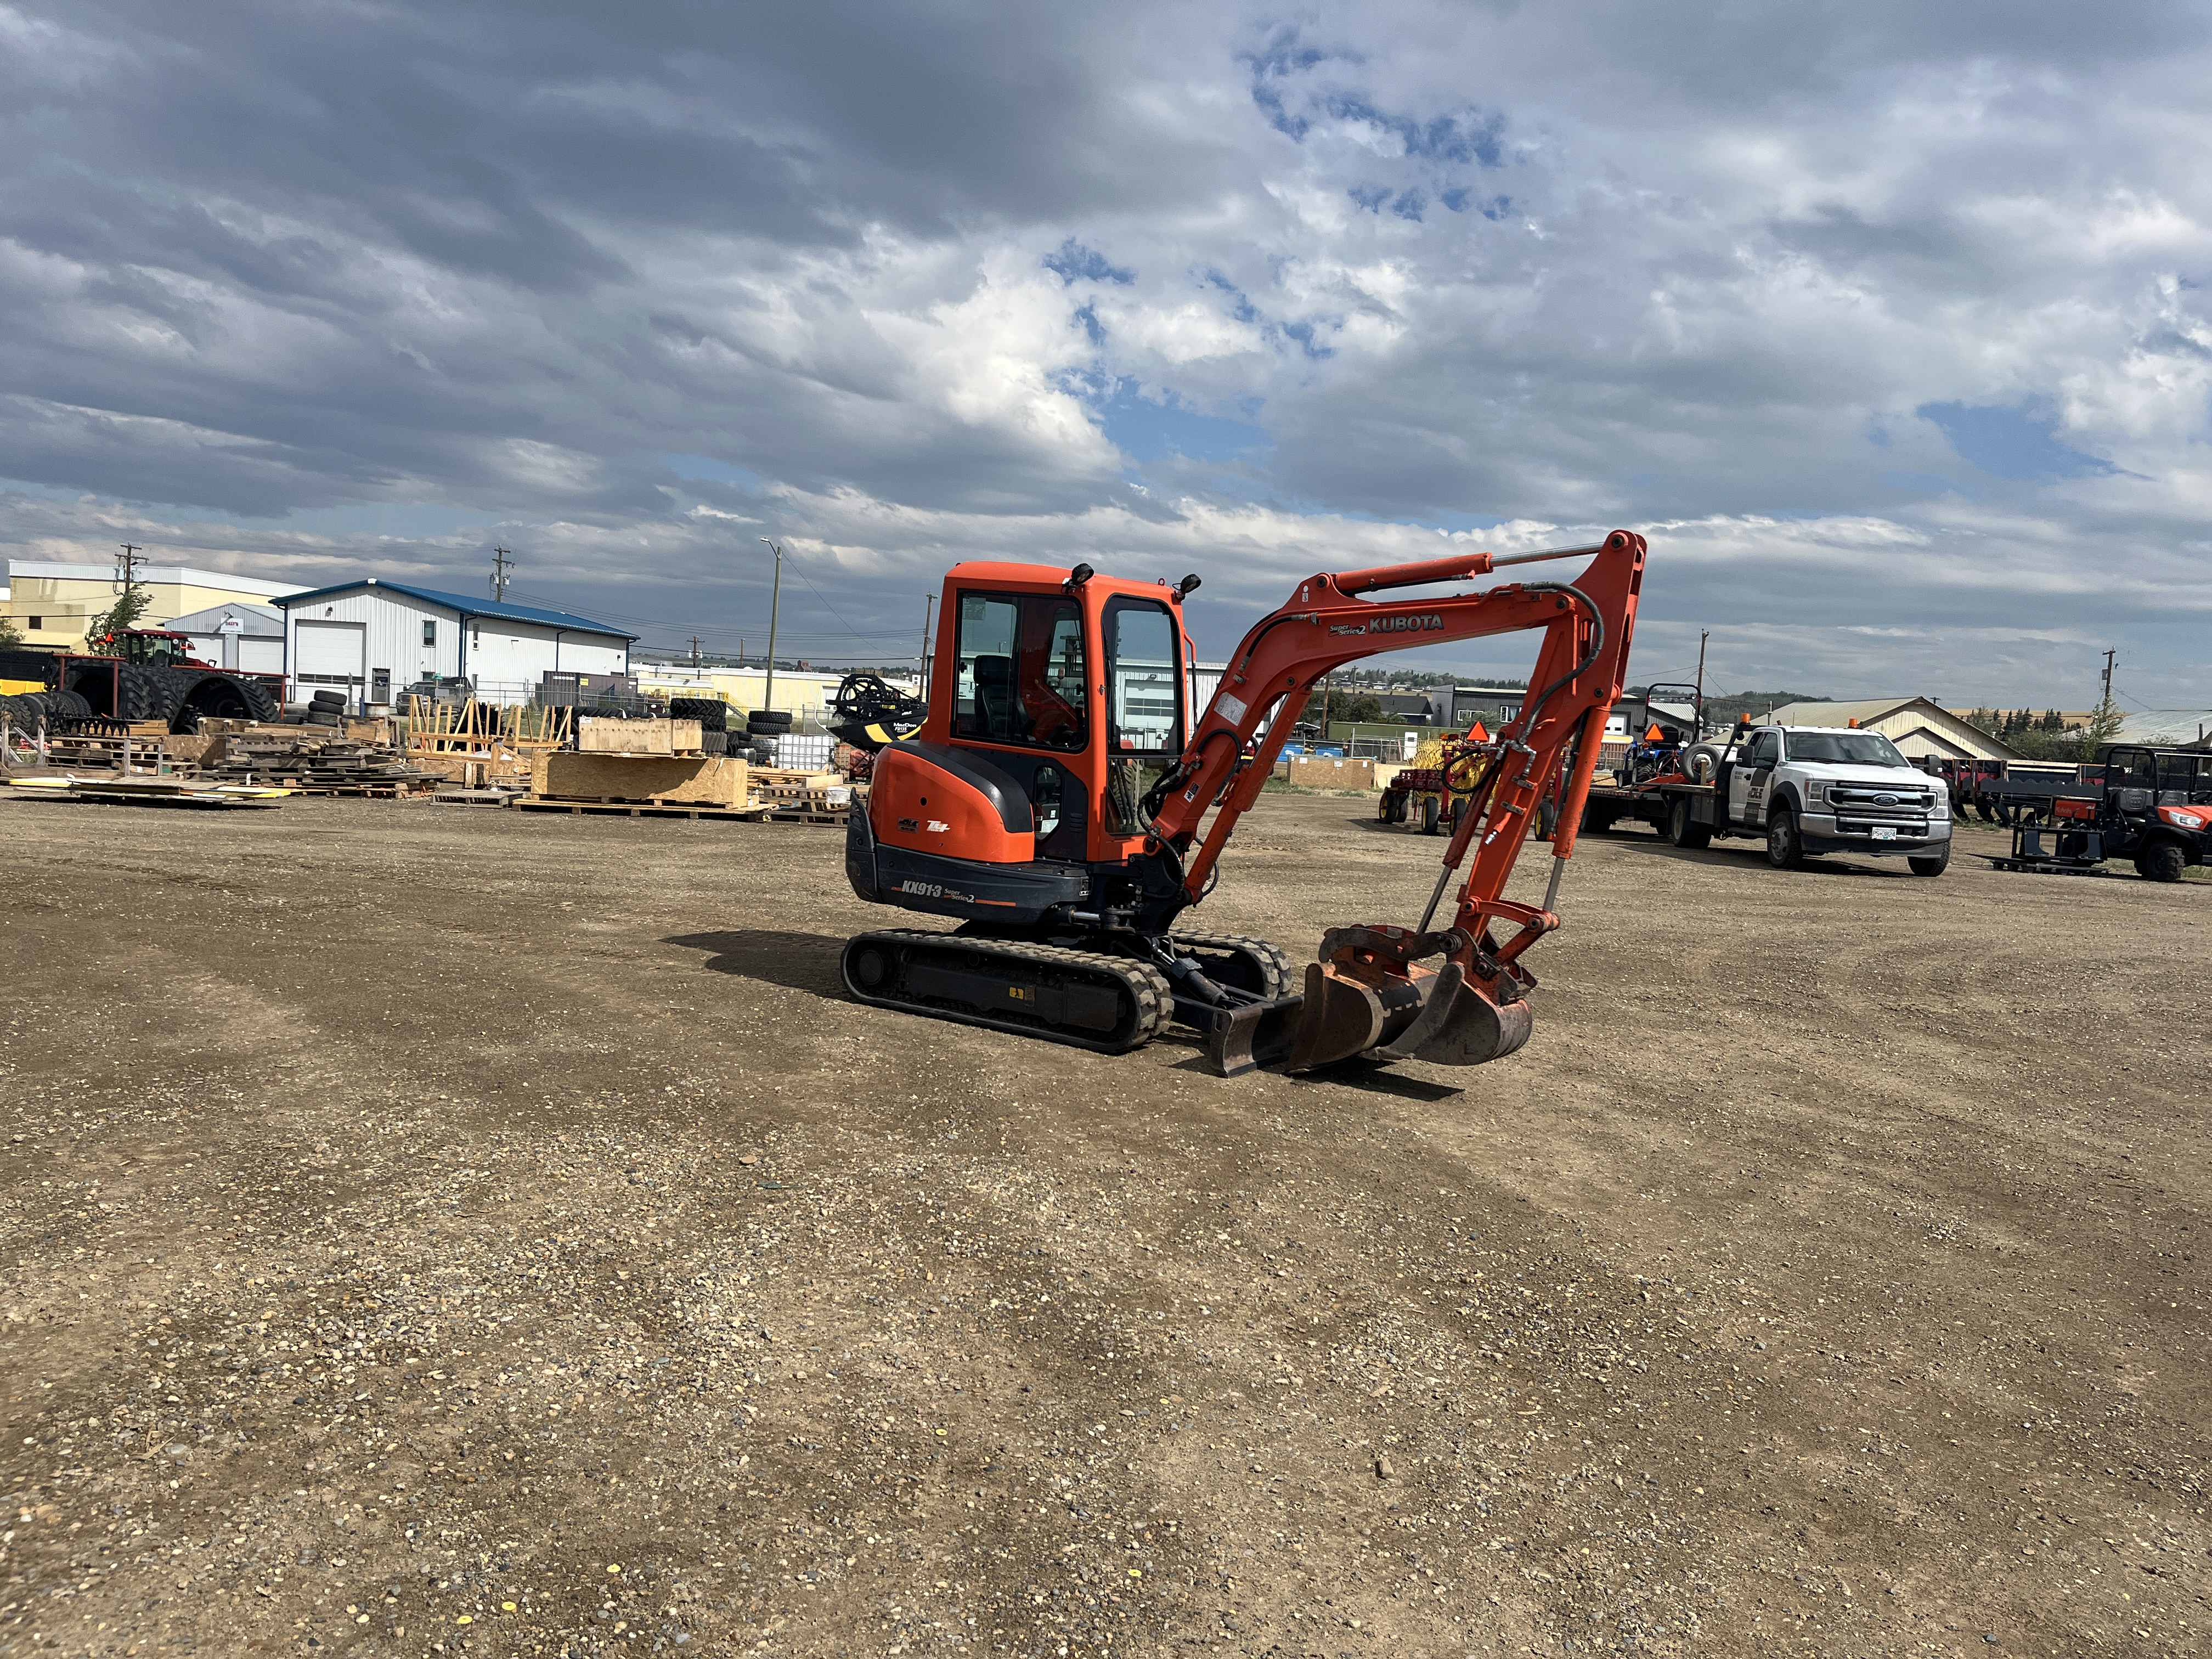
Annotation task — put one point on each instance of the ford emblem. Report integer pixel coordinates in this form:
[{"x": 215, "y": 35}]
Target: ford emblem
[{"x": 1884, "y": 801}]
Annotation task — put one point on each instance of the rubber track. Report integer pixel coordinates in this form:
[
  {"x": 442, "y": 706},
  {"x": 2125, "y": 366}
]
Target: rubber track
[
  {"x": 1147, "y": 987},
  {"x": 1274, "y": 962}
]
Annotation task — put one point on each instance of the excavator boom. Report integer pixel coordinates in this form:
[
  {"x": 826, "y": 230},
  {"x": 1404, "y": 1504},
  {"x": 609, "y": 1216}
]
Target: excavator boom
[{"x": 1368, "y": 993}]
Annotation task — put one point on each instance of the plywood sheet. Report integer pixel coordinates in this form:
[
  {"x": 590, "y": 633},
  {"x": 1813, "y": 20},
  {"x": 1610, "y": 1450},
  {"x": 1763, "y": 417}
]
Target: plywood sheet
[
  {"x": 691, "y": 779},
  {"x": 611, "y": 736}
]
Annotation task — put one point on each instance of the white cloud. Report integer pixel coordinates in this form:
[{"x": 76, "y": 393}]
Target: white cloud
[{"x": 1574, "y": 266}]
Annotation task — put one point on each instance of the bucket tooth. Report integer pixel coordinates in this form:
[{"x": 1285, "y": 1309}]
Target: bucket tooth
[{"x": 1244, "y": 1039}]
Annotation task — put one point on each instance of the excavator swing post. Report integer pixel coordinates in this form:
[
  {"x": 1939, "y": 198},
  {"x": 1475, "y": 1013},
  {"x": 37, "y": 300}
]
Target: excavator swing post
[{"x": 1016, "y": 808}]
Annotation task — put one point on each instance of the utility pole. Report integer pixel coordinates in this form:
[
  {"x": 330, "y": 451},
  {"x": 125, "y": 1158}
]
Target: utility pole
[
  {"x": 502, "y": 562},
  {"x": 695, "y": 651},
  {"x": 775, "y": 605},
  {"x": 126, "y": 567},
  {"x": 928, "y": 612},
  {"x": 1704, "y": 634},
  {"x": 2108, "y": 657}
]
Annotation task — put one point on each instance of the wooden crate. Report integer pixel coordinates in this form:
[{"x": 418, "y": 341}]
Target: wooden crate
[
  {"x": 611, "y": 737},
  {"x": 651, "y": 780}
]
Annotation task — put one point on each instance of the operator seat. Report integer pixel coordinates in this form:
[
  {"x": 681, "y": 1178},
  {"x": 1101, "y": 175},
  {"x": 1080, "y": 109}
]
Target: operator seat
[{"x": 998, "y": 710}]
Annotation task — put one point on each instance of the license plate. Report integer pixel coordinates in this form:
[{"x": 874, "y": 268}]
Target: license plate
[{"x": 1882, "y": 832}]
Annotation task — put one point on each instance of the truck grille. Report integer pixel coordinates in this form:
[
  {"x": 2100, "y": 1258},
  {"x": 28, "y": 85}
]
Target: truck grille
[{"x": 1880, "y": 805}]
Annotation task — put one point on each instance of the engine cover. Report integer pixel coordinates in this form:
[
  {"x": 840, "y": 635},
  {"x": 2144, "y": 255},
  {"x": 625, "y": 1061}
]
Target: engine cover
[{"x": 950, "y": 802}]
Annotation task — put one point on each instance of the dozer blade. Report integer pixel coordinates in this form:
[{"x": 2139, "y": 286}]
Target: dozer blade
[
  {"x": 1436, "y": 1016},
  {"x": 1244, "y": 1039}
]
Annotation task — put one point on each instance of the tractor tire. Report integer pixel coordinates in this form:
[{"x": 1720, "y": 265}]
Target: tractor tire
[
  {"x": 218, "y": 698},
  {"x": 1785, "y": 847},
  {"x": 148, "y": 694},
  {"x": 1382, "y": 807},
  {"x": 1682, "y": 831},
  {"x": 769, "y": 722},
  {"x": 1430, "y": 813},
  {"x": 714, "y": 743},
  {"x": 2165, "y": 861},
  {"x": 1930, "y": 864},
  {"x": 1547, "y": 818}
]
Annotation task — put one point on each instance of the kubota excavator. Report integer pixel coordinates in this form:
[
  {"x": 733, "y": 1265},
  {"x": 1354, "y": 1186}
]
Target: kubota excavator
[{"x": 1056, "y": 800}]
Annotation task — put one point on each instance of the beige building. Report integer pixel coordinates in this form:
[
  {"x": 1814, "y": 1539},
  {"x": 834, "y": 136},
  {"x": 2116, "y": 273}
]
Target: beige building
[
  {"x": 51, "y": 603},
  {"x": 804, "y": 694},
  {"x": 1917, "y": 725}
]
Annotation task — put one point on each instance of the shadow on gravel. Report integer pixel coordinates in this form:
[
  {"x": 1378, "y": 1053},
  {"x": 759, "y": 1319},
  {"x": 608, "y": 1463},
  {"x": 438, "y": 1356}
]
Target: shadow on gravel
[
  {"x": 797, "y": 962},
  {"x": 1374, "y": 1079}
]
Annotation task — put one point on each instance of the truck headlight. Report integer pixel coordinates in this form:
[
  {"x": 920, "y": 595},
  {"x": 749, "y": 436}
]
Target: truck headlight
[{"x": 1816, "y": 792}]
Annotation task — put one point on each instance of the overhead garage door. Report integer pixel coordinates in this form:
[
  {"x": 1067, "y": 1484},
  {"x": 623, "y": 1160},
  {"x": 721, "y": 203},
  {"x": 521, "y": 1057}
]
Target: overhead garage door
[{"x": 329, "y": 655}]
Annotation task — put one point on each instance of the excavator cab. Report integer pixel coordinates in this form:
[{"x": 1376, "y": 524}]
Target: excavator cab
[{"x": 1056, "y": 702}]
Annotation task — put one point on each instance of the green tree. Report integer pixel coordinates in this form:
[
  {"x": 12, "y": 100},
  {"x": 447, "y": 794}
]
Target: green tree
[
  {"x": 129, "y": 606},
  {"x": 10, "y": 633}
]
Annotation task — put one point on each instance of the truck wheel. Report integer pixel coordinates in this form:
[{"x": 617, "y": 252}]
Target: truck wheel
[
  {"x": 1428, "y": 815},
  {"x": 1785, "y": 847},
  {"x": 1382, "y": 807},
  {"x": 1682, "y": 831},
  {"x": 1700, "y": 762},
  {"x": 2164, "y": 862},
  {"x": 1930, "y": 864}
]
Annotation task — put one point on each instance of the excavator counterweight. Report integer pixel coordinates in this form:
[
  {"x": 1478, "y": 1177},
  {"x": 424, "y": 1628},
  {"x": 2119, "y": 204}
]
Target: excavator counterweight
[{"x": 1062, "y": 803}]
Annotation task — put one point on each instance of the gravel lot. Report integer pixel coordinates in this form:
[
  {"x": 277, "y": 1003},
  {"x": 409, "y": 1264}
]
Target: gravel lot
[{"x": 454, "y": 1231}]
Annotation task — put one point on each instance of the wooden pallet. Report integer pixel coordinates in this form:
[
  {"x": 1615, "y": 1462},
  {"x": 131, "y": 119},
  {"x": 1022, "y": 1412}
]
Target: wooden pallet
[
  {"x": 475, "y": 796},
  {"x": 632, "y": 809},
  {"x": 778, "y": 815}
]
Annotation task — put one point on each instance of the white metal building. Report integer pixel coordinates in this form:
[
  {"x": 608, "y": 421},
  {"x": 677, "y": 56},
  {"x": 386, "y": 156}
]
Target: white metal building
[
  {"x": 249, "y": 638},
  {"x": 371, "y": 639}
]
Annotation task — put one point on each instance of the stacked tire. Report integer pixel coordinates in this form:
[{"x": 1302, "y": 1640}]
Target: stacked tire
[
  {"x": 712, "y": 713},
  {"x": 764, "y": 728},
  {"x": 326, "y": 708}
]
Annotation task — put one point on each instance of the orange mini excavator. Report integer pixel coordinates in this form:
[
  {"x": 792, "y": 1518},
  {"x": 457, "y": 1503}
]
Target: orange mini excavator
[{"x": 1060, "y": 801}]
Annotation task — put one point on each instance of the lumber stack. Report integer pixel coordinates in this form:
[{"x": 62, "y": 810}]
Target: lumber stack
[{"x": 294, "y": 756}]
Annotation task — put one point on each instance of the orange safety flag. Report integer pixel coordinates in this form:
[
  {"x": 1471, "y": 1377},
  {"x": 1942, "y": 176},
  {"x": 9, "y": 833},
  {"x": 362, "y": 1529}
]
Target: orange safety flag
[
  {"x": 1477, "y": 733},
  {"x": 1655, "y": 735}
]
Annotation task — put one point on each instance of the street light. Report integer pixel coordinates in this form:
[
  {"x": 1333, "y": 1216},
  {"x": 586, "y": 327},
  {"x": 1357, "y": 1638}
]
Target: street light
[{"x": 775, "y": 602}]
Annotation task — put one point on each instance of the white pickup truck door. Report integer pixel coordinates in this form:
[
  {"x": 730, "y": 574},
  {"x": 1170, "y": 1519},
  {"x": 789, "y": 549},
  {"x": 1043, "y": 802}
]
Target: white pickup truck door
[{"x": 1749, "y": 778}]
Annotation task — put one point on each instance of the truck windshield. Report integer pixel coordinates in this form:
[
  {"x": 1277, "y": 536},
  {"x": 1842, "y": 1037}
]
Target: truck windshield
[{"x": 1844, "y": 748}]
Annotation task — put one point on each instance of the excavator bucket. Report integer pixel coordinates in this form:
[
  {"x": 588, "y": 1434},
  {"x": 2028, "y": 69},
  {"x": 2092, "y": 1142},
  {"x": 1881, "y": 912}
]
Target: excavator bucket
[{"x": 1434, "y": 1016}]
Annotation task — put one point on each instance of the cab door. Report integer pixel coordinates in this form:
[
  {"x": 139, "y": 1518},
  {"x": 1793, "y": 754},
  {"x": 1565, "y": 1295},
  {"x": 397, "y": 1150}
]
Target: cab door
[
  {"x": 1751, "y": 778},
  {"x": 1142, "y": 650}
]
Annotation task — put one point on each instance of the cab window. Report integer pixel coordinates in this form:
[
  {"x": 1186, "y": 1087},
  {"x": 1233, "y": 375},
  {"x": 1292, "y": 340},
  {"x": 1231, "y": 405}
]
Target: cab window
[
  {"x": 1143, "y": 691},
  {"x": 1021, "y": 671},
  {"x": 1764, "y": 750}
]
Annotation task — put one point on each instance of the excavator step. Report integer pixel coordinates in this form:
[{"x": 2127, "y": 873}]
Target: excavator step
[{"x": 1106, "y": 1003}]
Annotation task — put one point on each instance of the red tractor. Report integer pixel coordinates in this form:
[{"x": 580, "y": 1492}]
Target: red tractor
[{"x": 141, "y": 674}]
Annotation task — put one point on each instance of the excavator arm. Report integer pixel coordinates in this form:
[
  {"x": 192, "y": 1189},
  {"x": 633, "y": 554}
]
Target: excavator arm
[{"x": 1370, "y": 992}]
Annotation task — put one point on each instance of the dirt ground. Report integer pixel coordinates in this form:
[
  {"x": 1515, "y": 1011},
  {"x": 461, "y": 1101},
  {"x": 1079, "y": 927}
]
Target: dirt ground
[{"x": 437, "y": 1231}]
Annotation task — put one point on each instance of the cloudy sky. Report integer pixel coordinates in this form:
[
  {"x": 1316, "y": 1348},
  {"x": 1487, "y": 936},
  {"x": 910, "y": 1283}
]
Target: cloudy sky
[{"x": 1886, "y": 322}]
